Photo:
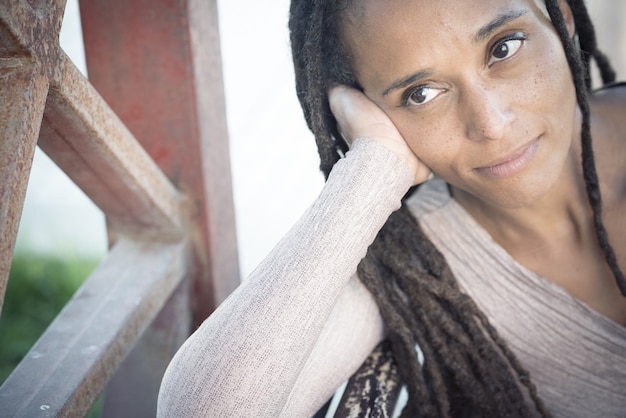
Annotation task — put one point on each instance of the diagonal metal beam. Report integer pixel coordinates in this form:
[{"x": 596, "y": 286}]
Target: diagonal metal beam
[
  {"x": 87, "y": 140},
  {"x": 64, "y": 372}
]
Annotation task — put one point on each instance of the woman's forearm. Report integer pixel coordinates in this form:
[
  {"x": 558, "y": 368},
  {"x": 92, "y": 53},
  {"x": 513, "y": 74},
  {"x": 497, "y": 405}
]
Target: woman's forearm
[{"x": 245, "y": 359}]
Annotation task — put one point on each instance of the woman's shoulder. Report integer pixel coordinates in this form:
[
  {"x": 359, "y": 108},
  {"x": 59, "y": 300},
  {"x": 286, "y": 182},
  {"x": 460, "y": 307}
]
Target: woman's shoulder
[
  {"x": 430, "y": 196},
  {"x": 608, "y": 106},
  {"x": 611, "y": 97}
]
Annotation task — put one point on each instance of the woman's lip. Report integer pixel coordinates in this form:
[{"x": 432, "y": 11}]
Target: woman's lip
[{"x": 511, "y": 164}]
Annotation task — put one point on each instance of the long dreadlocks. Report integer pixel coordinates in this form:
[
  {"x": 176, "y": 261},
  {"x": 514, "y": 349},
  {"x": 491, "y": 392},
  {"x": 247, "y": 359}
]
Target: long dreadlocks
[{"x": 468, "y": 369}]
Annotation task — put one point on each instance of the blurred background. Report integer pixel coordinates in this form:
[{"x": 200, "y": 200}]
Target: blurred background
[{"x": 274, "y": 161}]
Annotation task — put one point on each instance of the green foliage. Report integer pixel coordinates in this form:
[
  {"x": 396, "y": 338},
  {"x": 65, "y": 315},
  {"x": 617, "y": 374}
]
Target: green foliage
[{"x": 39, "y": 286}]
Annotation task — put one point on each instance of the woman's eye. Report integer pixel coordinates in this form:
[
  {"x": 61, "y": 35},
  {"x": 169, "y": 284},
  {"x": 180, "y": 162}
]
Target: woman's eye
[
  {"x": 420, "y": 95},
  {"x": 507, "y": 48}
]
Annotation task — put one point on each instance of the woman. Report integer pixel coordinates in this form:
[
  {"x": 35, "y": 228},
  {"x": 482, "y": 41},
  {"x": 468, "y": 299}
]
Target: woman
[{"x": 500, "y": 267}]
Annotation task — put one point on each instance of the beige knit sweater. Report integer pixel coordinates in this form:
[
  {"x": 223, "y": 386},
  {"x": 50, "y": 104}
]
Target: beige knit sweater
[
  {"x": 576, "y": 357},
  {"x": 302, "y": 322}
]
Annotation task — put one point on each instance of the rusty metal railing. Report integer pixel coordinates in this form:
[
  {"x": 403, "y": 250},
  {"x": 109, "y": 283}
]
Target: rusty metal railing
[{"x": 145, "y": 138}]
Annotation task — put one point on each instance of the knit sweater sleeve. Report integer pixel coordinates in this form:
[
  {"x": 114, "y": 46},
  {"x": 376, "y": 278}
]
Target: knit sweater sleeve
[{"x": 298, "y": 326}]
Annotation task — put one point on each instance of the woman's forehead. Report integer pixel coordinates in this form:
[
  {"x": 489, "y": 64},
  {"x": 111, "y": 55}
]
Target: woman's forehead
[
  {"x": 381, "y": 34},
  {"x": 365, "y": 14}
]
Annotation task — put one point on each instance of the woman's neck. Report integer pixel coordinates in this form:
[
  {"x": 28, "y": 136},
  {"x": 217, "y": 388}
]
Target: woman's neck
[{"x": 562, "y": 212}]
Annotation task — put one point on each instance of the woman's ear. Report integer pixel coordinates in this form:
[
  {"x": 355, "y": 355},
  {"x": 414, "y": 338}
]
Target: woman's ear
[{"x": 568, "y": 16}]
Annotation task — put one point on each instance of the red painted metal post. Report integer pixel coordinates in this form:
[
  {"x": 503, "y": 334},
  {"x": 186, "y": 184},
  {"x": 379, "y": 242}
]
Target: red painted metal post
[{"x": 157, "y": 64}]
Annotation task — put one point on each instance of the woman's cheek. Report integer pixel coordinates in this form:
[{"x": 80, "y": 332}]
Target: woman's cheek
[{"x": 429, "y": 146}]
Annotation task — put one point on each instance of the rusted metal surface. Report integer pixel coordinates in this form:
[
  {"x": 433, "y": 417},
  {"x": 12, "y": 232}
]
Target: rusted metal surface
[
  {"x": 210, "y": 117},
  {"x": 22, "y": 99},
  {"x": 80, "y": 133},
  {"x": 83, "y": 136},
  {"x": 157, "y": 63},
  {"x": 67, "y": 368},
  {"x": 44, "y": 97},
  {"x": 35, "y": 26}
]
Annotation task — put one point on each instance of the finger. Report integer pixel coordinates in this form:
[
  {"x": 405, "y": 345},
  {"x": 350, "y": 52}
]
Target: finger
[
  {"x": 339, "y": 107},
  {"x": 357, "y": 115}
]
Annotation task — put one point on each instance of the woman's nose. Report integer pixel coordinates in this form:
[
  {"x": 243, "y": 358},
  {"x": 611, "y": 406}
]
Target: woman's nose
[{"x": 488, "y": 113}]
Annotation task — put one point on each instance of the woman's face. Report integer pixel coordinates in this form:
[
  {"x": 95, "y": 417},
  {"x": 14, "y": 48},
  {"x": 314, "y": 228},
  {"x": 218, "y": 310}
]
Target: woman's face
[{"x": 481, "y": 90}]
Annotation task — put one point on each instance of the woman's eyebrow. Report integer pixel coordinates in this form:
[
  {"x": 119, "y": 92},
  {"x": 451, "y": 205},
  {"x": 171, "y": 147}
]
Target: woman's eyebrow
[
  {"x": 498, "y": 22},
  {"x": 406, "y": 81}
]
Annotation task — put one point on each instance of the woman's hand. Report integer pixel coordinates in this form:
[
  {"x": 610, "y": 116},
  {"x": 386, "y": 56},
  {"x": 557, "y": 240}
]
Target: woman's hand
[{"x": 359, "y": 117}]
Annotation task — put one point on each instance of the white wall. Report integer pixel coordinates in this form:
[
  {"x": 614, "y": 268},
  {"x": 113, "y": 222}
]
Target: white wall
[{"x": 274, "y": 158}]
